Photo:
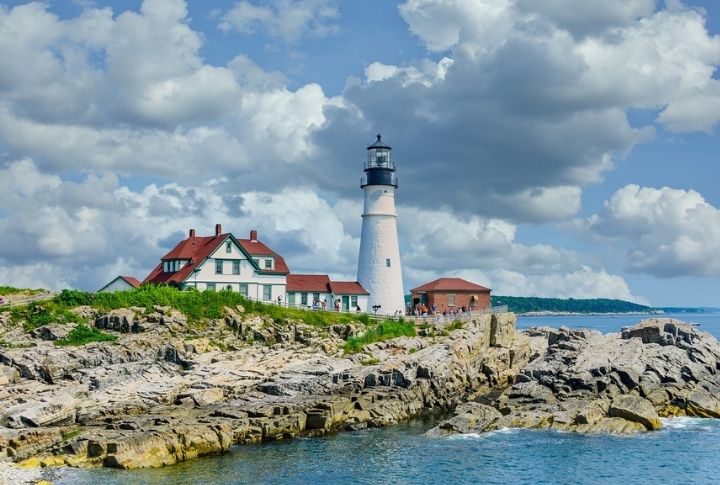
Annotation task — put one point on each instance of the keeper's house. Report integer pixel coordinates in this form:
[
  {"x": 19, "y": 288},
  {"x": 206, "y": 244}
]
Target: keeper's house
[
  {"x": 223, "y": 262},
  {"x": 451, "y": 293},
  {"x": 316, "y": 290}
]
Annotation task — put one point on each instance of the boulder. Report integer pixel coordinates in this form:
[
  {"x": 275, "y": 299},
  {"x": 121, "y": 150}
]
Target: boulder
[
  {"x": 471, "y": 417},
  {"x": 636, "y": 409},
  {"x": 502, "y": 329},
  {"x": 52, "y": 332},
  {"x": 60, "y": 410},
  {"x": 120, "y": 320}
]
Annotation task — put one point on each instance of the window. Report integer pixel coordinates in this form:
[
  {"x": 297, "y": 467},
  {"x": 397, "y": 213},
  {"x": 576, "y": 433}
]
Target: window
[
  {"x": 291, "y": 298},
  {"x": 211, "y": 286},
  {"x": 267, "y": 292},
  {"x": 257, "y": 261},
  {"x": 451, "y": 300},
  {"x": 353, "y": 301},
  {"x": 218, "y": 266},
  {"x": 387, "y": 262},
  {"x": 316, "y": 297},
  {"x": 268, "y": 264},
  {"x": 236, "y": 267},
  {"x": 228, "y": 247},
  {"x": 165, "y": 267},
  {"x": 244, "y": 289},
  {"x": 303, "y": 298}
]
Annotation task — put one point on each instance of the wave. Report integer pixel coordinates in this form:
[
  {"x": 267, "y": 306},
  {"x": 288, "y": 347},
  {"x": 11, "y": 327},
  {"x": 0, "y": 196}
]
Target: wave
[
  {"x": 487, "y": 434},
  {"x": 690, "y": 423}
]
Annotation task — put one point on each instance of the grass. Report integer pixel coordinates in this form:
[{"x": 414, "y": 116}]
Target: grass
[
  {"x": 197, "y": 305},
  {"x": 82, "y": 334},
  {"x": 384, "y": 331},
  {"x": 9, "y": 290},
  {"x": 38, "y": 314},
  {"x": 455, "y": 325},
  {"x": 71, "y": 434}
]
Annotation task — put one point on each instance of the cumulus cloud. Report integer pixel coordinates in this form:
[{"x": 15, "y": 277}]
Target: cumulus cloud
[
  {"x": 288, "y": 20},
  {"x": 131, "y": 93},
  {"x": 83, "y": 233},
  {"x": 530, "y": 102},
  {"x": 670, "y": 232},
  {"x": 486, "y": 251}
]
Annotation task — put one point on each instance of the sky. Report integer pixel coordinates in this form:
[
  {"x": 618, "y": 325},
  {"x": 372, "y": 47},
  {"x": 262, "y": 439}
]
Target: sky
[{"x": 556, "y": 148}]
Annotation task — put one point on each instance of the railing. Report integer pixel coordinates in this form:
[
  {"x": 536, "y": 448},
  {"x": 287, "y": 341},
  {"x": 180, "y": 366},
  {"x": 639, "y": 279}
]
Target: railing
[
  {"x": 420, "y": 319},
  {"x": 28, "y": 299},
  {"x": 451, "y": 317}
]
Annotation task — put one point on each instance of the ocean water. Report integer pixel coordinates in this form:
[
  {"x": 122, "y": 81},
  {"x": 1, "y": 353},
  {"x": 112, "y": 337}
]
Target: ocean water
[
  {"x": 686, "y": 450},
  {"x": 709, "y": 322}
]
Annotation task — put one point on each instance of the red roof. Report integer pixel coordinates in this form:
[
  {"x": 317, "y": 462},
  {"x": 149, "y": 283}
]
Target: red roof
[
  {"x": 320, "y": 283},
  {"x": 131, "y": 280},
  {"x": 196, "y": 249},
  {"x": 308, "y": 282},
  {"x": 256, "y": 248},
  {"x": 450, "y": 284},
  {"x": 347, "y": 288}
]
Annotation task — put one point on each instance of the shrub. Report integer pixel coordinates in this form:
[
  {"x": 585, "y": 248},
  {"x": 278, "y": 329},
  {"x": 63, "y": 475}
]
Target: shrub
[
  {"x": 197, "y": 305},
  {"x": 37, "y": 314},
  {"x": 384, "y": 331},
  {"x": 73, "y": 298},
  {"x": 82, "y": 334}
]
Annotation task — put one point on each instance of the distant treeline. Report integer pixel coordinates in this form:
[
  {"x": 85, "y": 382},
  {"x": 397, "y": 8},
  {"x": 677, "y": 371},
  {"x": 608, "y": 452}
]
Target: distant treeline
[{"x": 523, "y": 304}]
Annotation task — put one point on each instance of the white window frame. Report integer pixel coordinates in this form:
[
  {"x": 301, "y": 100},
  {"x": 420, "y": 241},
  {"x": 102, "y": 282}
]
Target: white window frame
[
  {"x": 219, "y": 263},
  {"x": 267, "y": 292}
]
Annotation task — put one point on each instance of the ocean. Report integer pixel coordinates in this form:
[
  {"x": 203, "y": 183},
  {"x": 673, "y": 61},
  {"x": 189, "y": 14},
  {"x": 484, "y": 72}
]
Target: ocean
[{"x": 686, "y": 450}]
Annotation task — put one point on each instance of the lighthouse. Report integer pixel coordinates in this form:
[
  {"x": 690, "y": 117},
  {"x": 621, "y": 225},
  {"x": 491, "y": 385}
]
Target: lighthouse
[{"x": 379, "y": 269}]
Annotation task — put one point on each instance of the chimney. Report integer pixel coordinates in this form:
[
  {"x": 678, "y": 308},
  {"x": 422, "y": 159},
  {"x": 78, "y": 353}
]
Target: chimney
[
  {"x": 192, "y": 232},
  {"x": 218, "y": 229},
  {"x": 253, "y": 235}
]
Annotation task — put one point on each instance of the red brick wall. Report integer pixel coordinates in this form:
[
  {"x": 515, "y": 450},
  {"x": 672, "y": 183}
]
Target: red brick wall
[{"x": 462, "y": 298}]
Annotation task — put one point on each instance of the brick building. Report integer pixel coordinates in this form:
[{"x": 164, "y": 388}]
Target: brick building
[{"x": 449, "y": 293}]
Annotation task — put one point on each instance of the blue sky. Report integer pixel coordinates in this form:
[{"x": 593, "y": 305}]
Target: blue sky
[{"x": 555, "y": 148}]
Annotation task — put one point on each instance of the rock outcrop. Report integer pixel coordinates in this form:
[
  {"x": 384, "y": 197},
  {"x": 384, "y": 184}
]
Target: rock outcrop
[
  {"x": 167, "y": 392},
  {"x": 583, "y": 381}
]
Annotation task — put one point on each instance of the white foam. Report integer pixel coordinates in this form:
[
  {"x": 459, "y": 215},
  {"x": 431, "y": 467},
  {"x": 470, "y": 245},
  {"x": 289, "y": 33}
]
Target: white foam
[
  {"x": 487, "y": 434},
  {"x": 684, "y": 422}
]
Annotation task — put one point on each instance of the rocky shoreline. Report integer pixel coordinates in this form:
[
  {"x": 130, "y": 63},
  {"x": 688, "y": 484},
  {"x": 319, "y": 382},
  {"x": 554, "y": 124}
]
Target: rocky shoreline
[
  {"x": 168, "y": 391},
  {"x": 164, "y": 393},
  {"x": 618, "y": 383}
]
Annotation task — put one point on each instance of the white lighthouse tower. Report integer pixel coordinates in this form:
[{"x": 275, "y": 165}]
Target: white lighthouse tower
[{"x": 379, "y": 269}]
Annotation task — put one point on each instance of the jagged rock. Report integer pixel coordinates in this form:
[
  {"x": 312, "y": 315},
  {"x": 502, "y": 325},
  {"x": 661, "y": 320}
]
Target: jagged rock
[
  {"x": 469, "y": 418},
  {"x": 120, "y": 320},
  {"x": 52, "y": 332},
  {"x": 580, "y": 380},
  {"x": 8, "y": 375},
  {"x": 637, "y": 409},
  {"x": 61, "y": 410}
]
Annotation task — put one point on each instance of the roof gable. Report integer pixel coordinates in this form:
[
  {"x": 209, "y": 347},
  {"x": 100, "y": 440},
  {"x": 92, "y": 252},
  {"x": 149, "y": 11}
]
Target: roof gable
[
  {"x": 450, "y": 284},
  {"x": 197, "y": 249}
]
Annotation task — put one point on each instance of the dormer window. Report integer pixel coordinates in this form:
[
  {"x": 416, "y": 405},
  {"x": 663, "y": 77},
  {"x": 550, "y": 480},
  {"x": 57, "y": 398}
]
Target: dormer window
[
  {"x": 172, "y": 265},
  {"x": 268, "y": 264}
]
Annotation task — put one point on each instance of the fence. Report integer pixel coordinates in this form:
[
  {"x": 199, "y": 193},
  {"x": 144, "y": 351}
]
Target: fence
[
  {"x": 438, "y": 318},
  {"x": 451, "y": 317},
  {"x": 28, "y": 299}
]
